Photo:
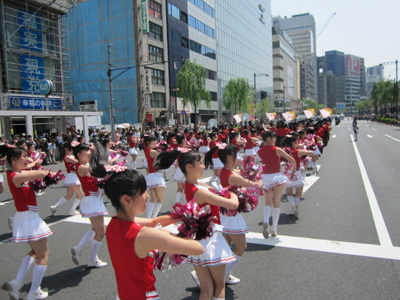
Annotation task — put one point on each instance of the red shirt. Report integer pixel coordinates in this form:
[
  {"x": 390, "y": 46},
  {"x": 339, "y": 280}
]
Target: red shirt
[
  {"x": 221, "y": 137},
  {"x": 273, "y": 129},
  {"x": 89, "y": 186},
  {"x": 224, "y": 177},
  {"x": 269, "y": 159},
  {"x": 174, "y": 146},
  {"x": 295, "y": 154},
  {"x": 190, "y": 189},
  {"x": 135, "y": 277},
  {"x": 132, "y": 143},
  {"x": 24, "y": 196},
  {"x": 69, "y": 166},
  {"x": 282, "y": 131},
  {"x": 205, "y": 142},
  {"x": 212, "y": 145},
  {"x": 150, "y": 160},
  {"x": 249, "y": 144}
]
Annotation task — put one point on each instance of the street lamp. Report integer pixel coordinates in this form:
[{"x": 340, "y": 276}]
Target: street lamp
[
  {"x": 255, "y": 83},
  {"x": 395, "y": 94},
  {"x": 284, "y": 96}
]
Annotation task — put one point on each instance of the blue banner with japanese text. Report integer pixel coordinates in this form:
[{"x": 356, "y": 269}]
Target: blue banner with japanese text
[
  {"x": 30, "y": 35},
  {"x": 36, "y": 103},
  {"x": 32, "y": 72}
]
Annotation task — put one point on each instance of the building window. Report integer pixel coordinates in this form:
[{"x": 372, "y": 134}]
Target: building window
[
  {"x": 157, "y": 77},
  {"x": 214, "y": 96},
  {"x": 155, "y": 54},
  {"x": 211, "y": 75},
  {"x": 158, "y": 100},
  {"x": 155, "y": 31},
  {"x": 201, "y": 49},
  {"x": 183, "y": 17},
  {"x": 200, "y": 26},
  {"x": 178, "y": 39},
  {"x": 155, "y": 9},
  {"x": 204, "y": 7},
  {"x": 184, "y": 42}
]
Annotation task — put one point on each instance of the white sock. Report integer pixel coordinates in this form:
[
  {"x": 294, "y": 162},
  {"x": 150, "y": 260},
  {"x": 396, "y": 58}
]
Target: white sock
[
  {"x": 296, "y": 200},
  {"x": 218, "y": 181},
  {"x": 134, "y": 165},
  {"x": 178, "y": 197},
  {"x": 275, "y": 216},
  {"x": 213, "y": 178},
  {"x": 94, "y": 249},
  {"x": 87, "y": 237},
  {"x": 27, "y": 263},
  {"x": 75, "y": 204},
  {"x": 267, "y": 213},
  {"x": 232, "y": 265},
  {"x": 37, "y": 276},
  {"x": 60, "y": 202},
  {"x": 183, "y": 198},
  {"x": 215, "y": 298},
  {"x": 291, "y": 200},
  {"x": 156, "y": 210},
  {"x": 150, "y": 207}
]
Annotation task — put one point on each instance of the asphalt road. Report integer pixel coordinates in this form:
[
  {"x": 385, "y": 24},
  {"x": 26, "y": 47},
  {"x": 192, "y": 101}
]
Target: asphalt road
[{"x": 344, "y": 244}]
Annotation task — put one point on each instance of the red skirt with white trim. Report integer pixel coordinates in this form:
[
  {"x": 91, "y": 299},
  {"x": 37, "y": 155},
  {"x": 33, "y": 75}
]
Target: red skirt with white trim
[{"x": 28, "y": 226}]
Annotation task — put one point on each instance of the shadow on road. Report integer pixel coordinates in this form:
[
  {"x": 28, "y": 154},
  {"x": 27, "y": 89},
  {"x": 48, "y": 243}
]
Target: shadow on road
[{"x": 229, "y": 293}]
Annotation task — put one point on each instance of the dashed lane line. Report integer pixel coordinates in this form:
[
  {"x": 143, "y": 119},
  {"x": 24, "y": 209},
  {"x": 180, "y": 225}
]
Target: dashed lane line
[{"x": 392, "y": 138}]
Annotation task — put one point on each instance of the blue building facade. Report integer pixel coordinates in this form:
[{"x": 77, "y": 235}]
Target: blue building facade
[
  {"x": 91, "y": 25},
  {"x": 335, "y": 62}
]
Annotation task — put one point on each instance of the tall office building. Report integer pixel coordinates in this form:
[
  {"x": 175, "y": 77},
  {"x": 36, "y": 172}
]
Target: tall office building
[
  {"x": 191, "y": 35},
  {"x": 376, "y": 70},
  {"x": 301, "y": 29},
  {"x": 354, "y": 69},
  {"x": 374, "y": 74},
  {"x": 322, "y": 81},
  {"x": 335, "y": 62},
  {"x": 244, "y": 47}
]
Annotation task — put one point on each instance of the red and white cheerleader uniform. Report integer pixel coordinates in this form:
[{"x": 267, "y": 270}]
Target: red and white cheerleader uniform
[
  {"x": 135, "y": 278},
  {"x": 250, "y": 145},
  {"x": 234, "y": 142},
  {"x": 27, "y": 224},
  {"x": 216, "y": 161},
  {"x": 153, "y": 179},
  {"x": 91, "y": 204},
  {"x": 271, "y": 175},
  {"x": 301, "y": 181},
  {"x": 71, "y": 178},
  {"x": 205, "y": 148},
  {"x": 132, "y": 146},
  {"x": 235, "y": 224},
  {"x": 216, "y": 249}
]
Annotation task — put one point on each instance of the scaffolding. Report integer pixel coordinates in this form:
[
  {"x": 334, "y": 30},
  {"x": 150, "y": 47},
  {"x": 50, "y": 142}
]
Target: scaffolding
[{"x": 34, "y": 46}]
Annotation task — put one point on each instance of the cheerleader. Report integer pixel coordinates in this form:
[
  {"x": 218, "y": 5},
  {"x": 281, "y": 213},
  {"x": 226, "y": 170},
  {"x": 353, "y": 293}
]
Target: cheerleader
[
  {"x": 291, "y": 141},
  {"x": 235, "y": 228},
  {"x": 216, "y": 164},
  {"x": 237, "y": 142},
  {"x": 131, "y": 241},
  {"x": 154, "y": 180},
  {"x": 71, "y": 182},
  {"x": 179, "y": 178},
  {"x": 250, "y": 144},
  {"x": 27, "y": 224},
  {"x": 92, "y": 207},
  {"x": 205, "y": 140},
  {"x": 132, "y": 149},
  {"x": 210, "y": 267},
  {"x": 272, "y": 179}
]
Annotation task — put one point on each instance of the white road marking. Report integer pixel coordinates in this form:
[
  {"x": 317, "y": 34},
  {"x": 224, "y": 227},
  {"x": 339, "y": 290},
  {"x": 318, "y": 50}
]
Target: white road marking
[
  {"x": 374, "y": 129},
  {"x": 380, "y": 225},
  {"x": 334, "y": 136},
  {"x": 301, "y": 243},
  {"x": 392, "y": 138},
  {"x": 370, "y": 136}
]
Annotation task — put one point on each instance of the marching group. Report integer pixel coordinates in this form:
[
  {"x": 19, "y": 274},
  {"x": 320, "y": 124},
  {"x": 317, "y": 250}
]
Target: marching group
[{"x": 100, "y": 167}]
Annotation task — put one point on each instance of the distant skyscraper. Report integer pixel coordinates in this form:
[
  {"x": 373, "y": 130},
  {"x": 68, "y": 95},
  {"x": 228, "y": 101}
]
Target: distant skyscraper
[
  {"x": 355, "y": 76},
  {"x": 335, "y": 62},
  {"x": 301, "y": 29},
  {"x": 374, "y": 74}
]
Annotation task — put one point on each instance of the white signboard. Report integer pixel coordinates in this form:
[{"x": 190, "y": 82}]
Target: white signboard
[
  {"x": 147, "y": 101},
  {"x": 147, "y": 81},
  {"x": 145, "y": 48}
]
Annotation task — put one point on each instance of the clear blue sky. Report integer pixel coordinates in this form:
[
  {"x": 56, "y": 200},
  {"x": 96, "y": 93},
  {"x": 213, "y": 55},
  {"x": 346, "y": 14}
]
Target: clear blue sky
[{"x": 365, "y": 28}]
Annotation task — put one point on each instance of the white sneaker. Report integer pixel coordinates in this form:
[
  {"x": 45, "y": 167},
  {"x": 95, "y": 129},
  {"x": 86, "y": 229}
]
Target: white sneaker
[
  {"x": 74, "y": 213},
  {"x": 232, "y": 280},
  {"x": 291, "y": 211},
  {"x": 274, "y": 231},
  {"x": 265, "y": 230},
  {"x": 96, "y": 263},
  {"x": 296, "y": 210},
  {"x": 195, "y": 278},
  {"x": 53, "y": 210},
  {"x": 38, "y": 295},
  {"x": 10, "y": 222},
  {"x": 76, "y": 254},
  {"x": 14, "y": 288}
]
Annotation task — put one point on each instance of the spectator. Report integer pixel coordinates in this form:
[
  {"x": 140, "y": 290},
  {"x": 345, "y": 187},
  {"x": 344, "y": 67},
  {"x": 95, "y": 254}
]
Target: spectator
[{"x": 50, "y": 151}]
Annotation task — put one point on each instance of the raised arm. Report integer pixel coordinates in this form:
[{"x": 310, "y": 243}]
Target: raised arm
[
  {"x": 205, "y": 196},
  {"x": 282, "y": 153},
  {"x": 236, "y": 179},
  {"x": 20, "y": 178}
]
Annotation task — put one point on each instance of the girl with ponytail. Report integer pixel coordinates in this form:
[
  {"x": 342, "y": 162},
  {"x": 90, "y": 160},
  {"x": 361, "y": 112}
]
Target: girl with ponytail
[
  {"x": 210, "y": 267},
  {"x": 273, "y": 180},
  {"x": 27, "y": 224},
  {"x": 235, "y": 228},
  {"x": 291, "y": 141},
  {"x": 211, "y": 159},
  {"x": 251, "y": 143},
  {"x": 154, "y": 180},
  {"x": 132, "y": 240},
  {"x": 179, "y": 177},
  {"x": 92, "y": 207},
  {"x": 234, "y": 139}
]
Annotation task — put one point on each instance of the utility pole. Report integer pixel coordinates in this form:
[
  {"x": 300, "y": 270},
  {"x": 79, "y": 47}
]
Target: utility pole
[{"x": 110, "y": 93}]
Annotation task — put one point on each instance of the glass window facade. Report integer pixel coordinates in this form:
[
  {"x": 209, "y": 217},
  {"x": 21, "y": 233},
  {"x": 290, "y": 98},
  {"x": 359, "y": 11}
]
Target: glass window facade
[
  {"x": 204, "y": 7},
  {"x": 157, "y": 77},
  {"x": 244, "y": 44},
  {"x": 158, "y": 100},
  {"x": 155, "y": 9},
  {"x": 155, "y": 31},
  {"x": 155, "y": 54}
]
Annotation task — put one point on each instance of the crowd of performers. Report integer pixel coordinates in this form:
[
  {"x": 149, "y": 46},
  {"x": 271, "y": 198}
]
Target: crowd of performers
[{"x": 248, "y": 162}]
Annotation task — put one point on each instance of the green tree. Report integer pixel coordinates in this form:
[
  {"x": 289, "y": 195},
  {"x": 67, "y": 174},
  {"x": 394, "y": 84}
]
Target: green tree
[
  {"x": 236, "y": 94},
  {"x": 309, "y": 103},
  {"x": 265, "y": 106},
  {"x": 191, "y": 81},
  {"x": 382, "y": 93}
]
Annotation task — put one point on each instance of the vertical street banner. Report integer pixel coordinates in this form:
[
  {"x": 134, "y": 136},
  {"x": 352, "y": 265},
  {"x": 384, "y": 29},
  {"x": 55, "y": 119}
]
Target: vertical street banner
[
  {"x": 32, "y": 72},
  {"x": 30, "y": 35},
  {"x": 145, "y": 18}
]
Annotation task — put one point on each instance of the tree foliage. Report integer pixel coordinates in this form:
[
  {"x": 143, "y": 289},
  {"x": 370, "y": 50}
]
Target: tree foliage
[
  {"x": 383, "y": 93},
  {"x": 309, "y": 103},
  {"x": 191, "y": 81},
  {"x": 236, "y": 94},
  {"x": 265, "y": 106},
  {"x": 364, "y": 106}
]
